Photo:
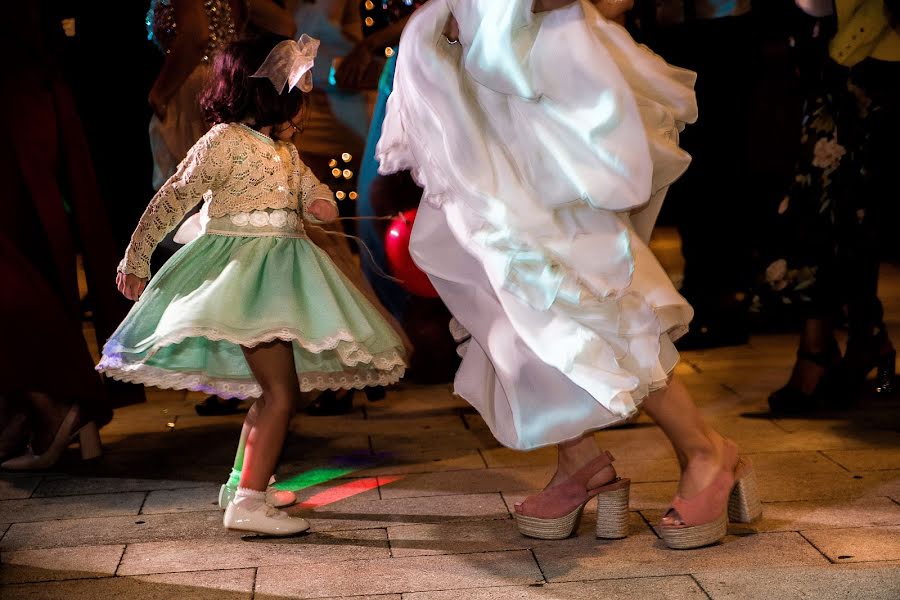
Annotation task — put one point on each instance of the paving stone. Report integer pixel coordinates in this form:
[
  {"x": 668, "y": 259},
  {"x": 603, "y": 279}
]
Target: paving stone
[
  {"x": 467, "y": 538},
  {"x": 73, "y": 507},
  {"x": 871, "y": 581},
  {"x": 811, "y": 476},
  {"x": 669, "y": 588},
  {"x": 54, "y": 564},
  {"x": 866, "y": 460},
  {"x": 232, "y": 553},
  {"x": 464, "y": 439},
  {"x": 857, "y": 544},
  {"x": 200, "y": 585},
  {"x": 184, "y": 500},
  {"x": 644, "y": 555},
  {"x": 430, "y": 461},
  {"x": 113, "y": 530},
  {"x": 397, "y": 575},
  {"x": 482, "y": 481},
  {"x": 13, "y": 486},
  {"x": 367, "y": 511},
  {"x": 74, "y": 486}
]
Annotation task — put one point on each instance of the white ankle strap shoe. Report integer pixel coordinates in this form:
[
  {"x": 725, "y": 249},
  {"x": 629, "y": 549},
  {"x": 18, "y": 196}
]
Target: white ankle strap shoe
[{"x": 249, "y": 514}]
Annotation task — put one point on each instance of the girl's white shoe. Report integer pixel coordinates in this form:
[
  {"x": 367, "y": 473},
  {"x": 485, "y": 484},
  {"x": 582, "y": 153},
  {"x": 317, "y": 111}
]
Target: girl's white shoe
[{"x": 253, "y": 514}]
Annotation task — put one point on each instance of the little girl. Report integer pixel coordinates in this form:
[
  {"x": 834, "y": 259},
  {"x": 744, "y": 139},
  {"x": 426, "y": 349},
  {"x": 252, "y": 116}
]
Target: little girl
[{"x": 250, "y": 308}]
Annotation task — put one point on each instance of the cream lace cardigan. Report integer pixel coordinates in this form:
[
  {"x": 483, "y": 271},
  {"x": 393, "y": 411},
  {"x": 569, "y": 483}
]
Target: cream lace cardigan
[{"x": 234, "y": 169}]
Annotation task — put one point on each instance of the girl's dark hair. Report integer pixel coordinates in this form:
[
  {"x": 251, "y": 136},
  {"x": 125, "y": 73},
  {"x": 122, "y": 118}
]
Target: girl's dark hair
[{"x": 233, "y": 96}]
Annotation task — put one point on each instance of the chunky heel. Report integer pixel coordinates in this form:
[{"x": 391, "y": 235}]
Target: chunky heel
[
  {"x": 743, "y": 503},
  {"x": 612, "y": 511},
  {"x": 89, "y": 441}
]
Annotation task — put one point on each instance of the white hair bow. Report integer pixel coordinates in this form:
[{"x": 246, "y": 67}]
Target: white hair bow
[{"x": 289, "y": 64}]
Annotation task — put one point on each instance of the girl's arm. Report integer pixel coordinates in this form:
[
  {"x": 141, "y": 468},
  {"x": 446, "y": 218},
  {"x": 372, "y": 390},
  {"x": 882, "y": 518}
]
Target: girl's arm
[
  {"x": 316, "y": 198},
  {"x": 183, "y": 56},
  {"x": 206, "y": 166},
  {"x": 268, "y": 15}
]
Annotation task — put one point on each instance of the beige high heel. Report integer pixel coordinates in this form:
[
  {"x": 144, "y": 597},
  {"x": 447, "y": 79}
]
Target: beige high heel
[
  {"x": 88, "y": 438},
  {"x": 704, "y": 518},
  {"x": 573, "y": 494}
]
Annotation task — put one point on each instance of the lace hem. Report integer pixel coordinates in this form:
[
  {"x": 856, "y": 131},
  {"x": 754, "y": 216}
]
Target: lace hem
[
  {"x": 198, "y": 381},
  {"x": 349, "y": 350}
]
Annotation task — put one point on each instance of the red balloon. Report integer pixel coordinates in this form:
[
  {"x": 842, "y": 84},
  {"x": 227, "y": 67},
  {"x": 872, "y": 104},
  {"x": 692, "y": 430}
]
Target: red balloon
[{"x": 400, "y": 263}]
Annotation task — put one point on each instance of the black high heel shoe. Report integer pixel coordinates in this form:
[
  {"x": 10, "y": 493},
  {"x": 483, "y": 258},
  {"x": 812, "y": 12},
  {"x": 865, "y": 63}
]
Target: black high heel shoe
[
  {"x": 875, "y": 352},
  {"x": 332, "y": 403},
  {"x": 789, "y": 400}
]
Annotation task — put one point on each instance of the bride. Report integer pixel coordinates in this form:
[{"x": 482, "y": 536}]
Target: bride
[{"x": 545, "y": 139}]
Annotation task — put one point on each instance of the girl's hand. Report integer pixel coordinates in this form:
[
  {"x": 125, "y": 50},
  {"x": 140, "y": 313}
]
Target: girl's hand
[
  {"x": 323, "y": 210},
  {"x": 130, "y": 285},
  {"x": 614, "y": 10}
]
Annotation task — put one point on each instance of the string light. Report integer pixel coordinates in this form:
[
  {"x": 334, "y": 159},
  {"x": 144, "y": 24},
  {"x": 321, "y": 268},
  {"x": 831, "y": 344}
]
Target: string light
[
  {"x": 346, "y": 157},
  {"x": 369, "y": 5},
  {"x": 340, "y": 195},
  {"x": 332, "y": 163},
  {"x": 336, "y": 173},
  {"x": 389, "y": 52},
  {"x": 353, "y": 195},
  {"x": 369, "y": 21},
  {"x": 348, "y": 173}
]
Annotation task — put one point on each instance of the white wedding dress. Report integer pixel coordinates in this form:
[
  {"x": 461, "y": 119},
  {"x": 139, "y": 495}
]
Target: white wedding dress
[{"x": 545, "y": 144}]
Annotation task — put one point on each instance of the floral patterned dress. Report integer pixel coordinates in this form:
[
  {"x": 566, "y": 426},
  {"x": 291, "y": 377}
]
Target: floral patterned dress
[{"x": 828, "y": 226}]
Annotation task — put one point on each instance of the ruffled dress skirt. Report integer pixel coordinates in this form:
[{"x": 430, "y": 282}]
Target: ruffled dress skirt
[
  {"x": 545, "y": 144},
  {"x": 248, "y": 279}
]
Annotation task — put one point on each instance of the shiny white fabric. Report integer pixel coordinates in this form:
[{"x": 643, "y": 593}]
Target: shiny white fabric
[{"x": 545, "y": 144}]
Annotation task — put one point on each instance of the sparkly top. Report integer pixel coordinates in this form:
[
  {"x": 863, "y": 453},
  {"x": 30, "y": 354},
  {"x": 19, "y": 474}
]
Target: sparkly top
[
  {"x": 162, "y": 28},
  {"x": 234, "y": 169}
]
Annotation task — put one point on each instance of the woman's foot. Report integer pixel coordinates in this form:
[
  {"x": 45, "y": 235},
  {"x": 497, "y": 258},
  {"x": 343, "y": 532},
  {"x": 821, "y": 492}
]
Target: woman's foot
[
  {"x": 714, "y": 486},
  {"x": 808, "y": 388},
  {"x": 42, "y": 455},
  {"x": 865, "y": 354},
  {"x": 331, "y": 403},
  {"x": 215, "y": 406},
  {"x": 583, "y": 472},
  {"x": 701, "y": 469}
]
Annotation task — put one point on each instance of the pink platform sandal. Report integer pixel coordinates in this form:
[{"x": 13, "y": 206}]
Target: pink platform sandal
[
  {"x": 555, "y": 513},
  {"x": 703, "y": 519}
]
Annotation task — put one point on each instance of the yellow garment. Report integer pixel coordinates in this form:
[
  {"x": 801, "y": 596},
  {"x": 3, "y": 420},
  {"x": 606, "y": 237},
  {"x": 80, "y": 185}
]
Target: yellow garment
[{"x": 863, "y": 32}]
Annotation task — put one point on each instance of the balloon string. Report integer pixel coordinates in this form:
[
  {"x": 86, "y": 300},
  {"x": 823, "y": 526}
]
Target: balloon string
[{"x": 359, "y": 241}]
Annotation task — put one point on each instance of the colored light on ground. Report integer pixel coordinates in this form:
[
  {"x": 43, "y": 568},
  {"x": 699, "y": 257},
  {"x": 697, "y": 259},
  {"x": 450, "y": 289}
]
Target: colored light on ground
[
  {"x": 313, "y": 477},
  {"x": 347, "y": 490}
]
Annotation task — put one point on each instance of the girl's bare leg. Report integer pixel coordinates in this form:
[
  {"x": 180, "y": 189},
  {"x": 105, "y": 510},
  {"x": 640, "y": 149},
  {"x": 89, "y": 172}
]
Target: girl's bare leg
[{"x": 264, "y": 432}]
